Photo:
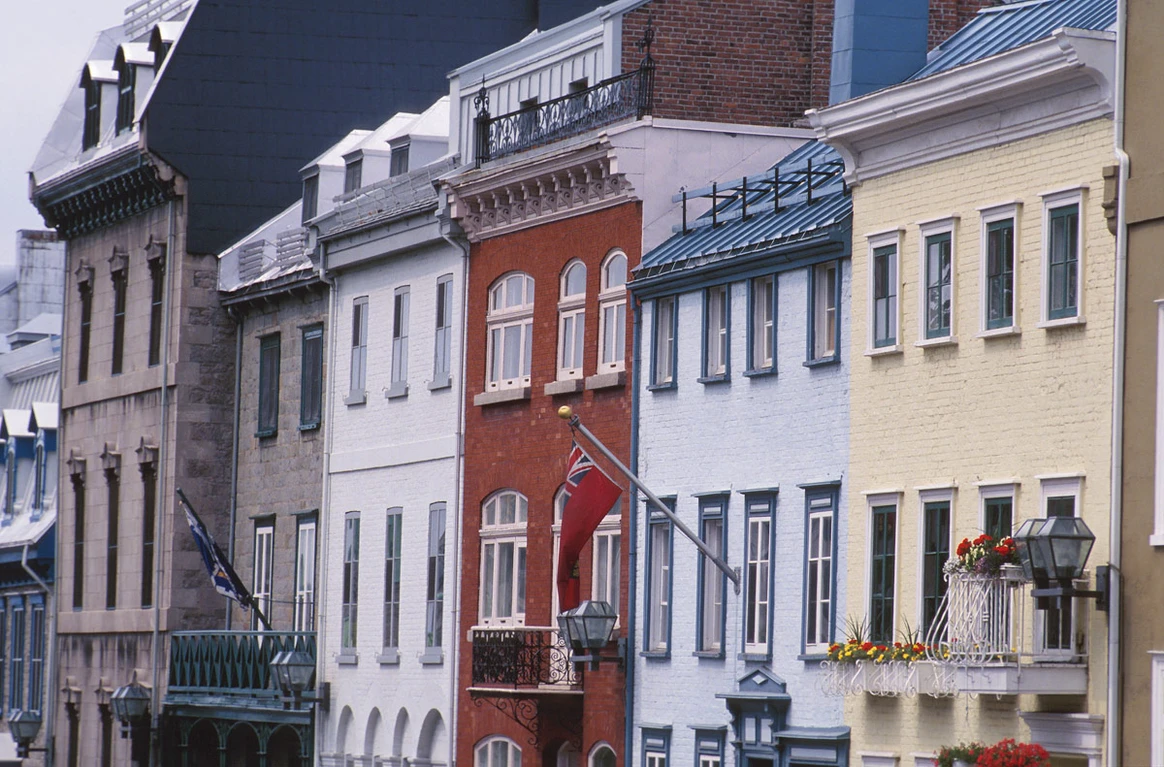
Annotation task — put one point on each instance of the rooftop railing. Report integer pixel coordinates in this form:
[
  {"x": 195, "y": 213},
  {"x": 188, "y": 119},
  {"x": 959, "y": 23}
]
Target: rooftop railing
[{"x": 231, "y": 663}]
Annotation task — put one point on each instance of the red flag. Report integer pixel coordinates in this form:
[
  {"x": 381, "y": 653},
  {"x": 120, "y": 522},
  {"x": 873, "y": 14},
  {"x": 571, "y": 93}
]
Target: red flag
[{"x": 590, "y": 495}]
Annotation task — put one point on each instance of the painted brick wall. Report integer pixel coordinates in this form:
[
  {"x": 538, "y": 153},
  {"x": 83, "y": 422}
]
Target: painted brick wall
[
  {"x": 1019, "y": 406},
  {"x": 524, "y": 446}
]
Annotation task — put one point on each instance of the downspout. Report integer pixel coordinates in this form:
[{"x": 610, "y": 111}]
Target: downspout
[
  {"x": 458, "y": 482},
  {"x": 51, "y": 642},
  {"x": 238, "y": 347},
  {"x": 1112, "y": 725},
  {"x": 633, "y": 549},
  {"x": 163, "y": 455},
  {"x": 324, "y": 518}
]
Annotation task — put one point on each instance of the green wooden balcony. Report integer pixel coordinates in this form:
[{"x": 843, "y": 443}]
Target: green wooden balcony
[{"x": 230, "y": 666}]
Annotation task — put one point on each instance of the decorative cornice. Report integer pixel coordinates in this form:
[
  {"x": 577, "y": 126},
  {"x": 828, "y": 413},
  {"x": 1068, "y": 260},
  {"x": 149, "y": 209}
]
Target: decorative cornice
[{"x": 1062, "y": 80}]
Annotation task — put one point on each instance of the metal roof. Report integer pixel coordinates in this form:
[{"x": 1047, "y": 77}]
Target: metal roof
[
  {"x": 765, "y": 228},
  {"x": 391, "y": 198},
  {"x": 1003, "y": 27}
]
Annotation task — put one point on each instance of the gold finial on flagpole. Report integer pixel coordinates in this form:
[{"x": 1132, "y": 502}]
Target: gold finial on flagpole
[{"x": 565, "y": 412}]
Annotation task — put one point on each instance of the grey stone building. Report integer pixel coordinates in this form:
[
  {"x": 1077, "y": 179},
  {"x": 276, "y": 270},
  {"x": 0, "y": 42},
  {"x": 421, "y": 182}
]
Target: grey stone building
[{"x": 32, "y": 291}]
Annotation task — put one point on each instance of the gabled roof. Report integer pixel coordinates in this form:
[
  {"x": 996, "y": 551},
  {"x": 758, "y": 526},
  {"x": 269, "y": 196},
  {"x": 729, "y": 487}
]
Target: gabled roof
[
  {"x": 798, "y": 221},
  {"x": 1003, "y": 27}
]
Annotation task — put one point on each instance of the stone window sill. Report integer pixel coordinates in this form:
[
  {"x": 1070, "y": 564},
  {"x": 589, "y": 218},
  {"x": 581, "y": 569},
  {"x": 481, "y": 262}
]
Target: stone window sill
[
  {"x": 396, "y": 390},
  {"x": 432, "y": 656},
  {"x": 564, "y": 386},
  {"x": 930, "y": 343},
  {"x": 1006, "y": 332},
  {"x": 884, "y": 351},
  {"x": 389, "y": 657},
  {"x": 606, "y": 380},
  {"x": 356, "y": 398},
  {"x": 501, "y": 395},
  {"x": 1064, "y": 322},
  {"x": 443, "y": 382},
  {"x": 347, "y": 658}
]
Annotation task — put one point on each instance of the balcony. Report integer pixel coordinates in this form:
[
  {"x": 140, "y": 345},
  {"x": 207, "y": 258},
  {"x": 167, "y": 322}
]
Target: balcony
[
  {"x": 230, "y": 667},
  {"x": 630, "y": 95},
  {"x": 521, "y": 660}
]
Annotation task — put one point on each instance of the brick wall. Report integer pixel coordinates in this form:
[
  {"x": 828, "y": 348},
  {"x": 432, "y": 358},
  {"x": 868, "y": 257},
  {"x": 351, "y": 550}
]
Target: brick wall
[{"x": 524, "y": 446}]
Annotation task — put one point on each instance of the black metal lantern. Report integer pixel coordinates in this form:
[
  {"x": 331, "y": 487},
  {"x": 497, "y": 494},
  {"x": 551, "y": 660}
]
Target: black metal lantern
[
  {"x": 1053, "y": 552},
  {"x": 294, "y": 671},
  {"x": 131, "y": 706},
  {"x": 24, "y": 726},
  {"x": 588, "y": 628}
]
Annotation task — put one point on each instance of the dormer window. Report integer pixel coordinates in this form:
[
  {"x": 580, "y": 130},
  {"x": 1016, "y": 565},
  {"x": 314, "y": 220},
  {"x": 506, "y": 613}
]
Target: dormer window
[
  {"x": 353, "y": 175},
  {"x": 92, "y": 131},
  {"x": 126, "y": 79},
  {"x": 398, "y": 164},
  {"x": 310, "y": 197}
]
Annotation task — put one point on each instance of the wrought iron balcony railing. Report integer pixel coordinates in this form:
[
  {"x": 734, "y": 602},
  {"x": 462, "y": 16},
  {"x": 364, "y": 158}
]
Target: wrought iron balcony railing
[
  {"x": 230, "y": 663},
  {"x": 616, "y": 98},
  {"x": 522, "y": 658}
]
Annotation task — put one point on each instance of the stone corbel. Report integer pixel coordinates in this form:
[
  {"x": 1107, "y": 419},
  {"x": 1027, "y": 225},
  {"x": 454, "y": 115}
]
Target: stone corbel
[
  {"x": 84, "y": 274},
  {"x": 119, "y": 261},
  {"x": 147, "y": 457},
  {"x": 111, "y": 460},
  {"x": 76, "y": 466},
  {"x": 71, "y": 692},
  {"x": 104, "y": 692},
  {"x": 155, "y": 253}
]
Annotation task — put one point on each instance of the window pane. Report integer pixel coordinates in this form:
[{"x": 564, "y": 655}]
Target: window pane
[
  {"x": 616, "y": 271},
  {"x": 512, "y": 346}
]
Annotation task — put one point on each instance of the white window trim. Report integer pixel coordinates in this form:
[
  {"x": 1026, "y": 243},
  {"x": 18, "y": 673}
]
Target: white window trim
[
  {"x": 1006, "y": 489},
  {"x": 516, "y": 533},
  {"x": 716, "y": 337},
  {"x": 608, "y": 298},
  {"x": 895, "y": 498},
  {"x": 1057, "y": 486},
  {"x": 264, "y": 556},
  {"x": 596, "y": 748},
  {"x": 758, "y": 331},
  {"x": 988, "y": 216},
  {"x": 571, "y": 306},
  {"x": 1157, "y": 741},
  {"x": 759, "y": 648},
  {"x": 819, "y": 308},
  {"x": 658, "y": 629},
  {"x": 657, "y": 379},
  {"x": 610, "y": 526},
  {"x": 1157, "y": 537},
  {"x": 875, "y": 241},
  {"x": 1052, "y": 201},
  {"x": 356, "y": 393},
  {"x": 831, "y": 513},
  {"x": 928, "y": 229},
  {"x": 499, "y": 319},
  {"x": 305, "y": 590},
  {"x": 924, "y": 496},
  {"x": 484, "y": 746},
  {"x": 401, "y": 297}
]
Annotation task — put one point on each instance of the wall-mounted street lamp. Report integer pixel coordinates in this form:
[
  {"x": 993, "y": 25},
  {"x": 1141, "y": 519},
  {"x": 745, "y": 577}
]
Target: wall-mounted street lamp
[
  {"x": 295, "y": 674},
  {"x": 588, "y": 629},
  {"x": 131, "y": 707},
  {"x": 1053, "y": 552},
  {"x": 24, "y": 726}
]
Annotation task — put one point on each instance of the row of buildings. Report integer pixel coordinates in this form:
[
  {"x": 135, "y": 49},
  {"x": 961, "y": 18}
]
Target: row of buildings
[{"x": 842, "y": 282}]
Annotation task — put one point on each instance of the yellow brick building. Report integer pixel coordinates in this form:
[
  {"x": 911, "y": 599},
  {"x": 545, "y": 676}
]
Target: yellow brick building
[{"x": 981, "y": 388}]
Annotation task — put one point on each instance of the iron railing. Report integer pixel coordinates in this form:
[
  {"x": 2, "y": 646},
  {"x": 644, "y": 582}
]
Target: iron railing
[
  {"x": 616, "y": 98},
  {"x": 974, "y": 624},
  {"x": 231, "y": 663},
  {"x": 522, "y": 657}
]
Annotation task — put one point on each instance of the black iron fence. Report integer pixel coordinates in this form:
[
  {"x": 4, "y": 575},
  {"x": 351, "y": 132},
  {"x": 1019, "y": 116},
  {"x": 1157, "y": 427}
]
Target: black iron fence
[{"x": 522, "y": 657}]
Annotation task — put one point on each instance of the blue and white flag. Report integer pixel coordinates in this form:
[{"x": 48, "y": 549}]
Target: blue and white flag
[{"x": 226, "y": 580}]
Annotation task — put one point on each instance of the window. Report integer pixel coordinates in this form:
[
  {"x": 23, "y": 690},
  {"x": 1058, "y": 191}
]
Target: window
[
  {"x": 120, "y": 284},
  {"x": 602, "y": 755},
  {"x": 497, "y": 752},
  {"x": 571, "y": 320},
  {"x": 509, "y": 319},
  {"x": 656, "y": 747},
  {"x": 442, "y": 352},
  {"x": 716, "y": 310},
  {"x": 884, "y": 298},
  {"x": 263, "y": 577},
  {"x": 400, "y": 301},
  {"x": 86, "y": 290},
  {"x": 998, "y": 511},
  {"x": 38, "y": 477},
  {"x": 91, "y": 133},
  {"x": 310, "y": 197},
  {"x": 78, "y": 478},
  {"x": 36, "y": 659},
  {"x": 607, "y": 572},
  {"x": 398, "y": 160},
  {"x": 503, "y": 552},
  {"x": 126, "y": 78},
  {"x": 708, "y": 748},
  {"x": 883, "y": 556},
  {"x": 612, "y": 314},
  {"x": 157, "y": 288},
  {"x": 758, "y": 575},
  {"x": 1062, "y": 272},
  {"x": 149, "y": 481},
  {"x": 3, "y": 641},
  {"x": 935, "y": 553},
  {"x": 73, "y": 757},
  {"x": 392, "y": 579},
  {"x": 311, "y": 379},
  {"x": 824, "y": 299},
  {"x": 938, "y": 284},
  {"x": 268, "y": 386},
  {"x": 359, "y": 349},
  {"x": 658, "y": 639},
  {"x": 304, "y": 617},
  {"x": 353, "y": 175},
  {"x": 10, "y": 479},
  {"x": 762, "y": 324},
  {"x": 349, "y": 598},
  {"x": 999, "y": 268},
  {"x": 712, "y": 584},
  {"x": 16, "y": 659},
  {"x": 663, "y": 335},
  {"x": 435, "y": 604},
  {"x": 819, "y": 576},
  {"x": 106, "y": 715},
  {"x": 1055, "y": 626},
  {"x": 113, "y": 489}
]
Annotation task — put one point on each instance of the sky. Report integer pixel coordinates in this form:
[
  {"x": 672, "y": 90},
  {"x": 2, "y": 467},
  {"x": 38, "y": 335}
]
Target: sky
[{"x": 43, "y": 44}]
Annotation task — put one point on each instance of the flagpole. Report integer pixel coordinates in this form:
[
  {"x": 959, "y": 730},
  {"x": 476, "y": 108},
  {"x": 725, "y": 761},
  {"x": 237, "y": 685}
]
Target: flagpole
[{"x": 566, "y": 413}]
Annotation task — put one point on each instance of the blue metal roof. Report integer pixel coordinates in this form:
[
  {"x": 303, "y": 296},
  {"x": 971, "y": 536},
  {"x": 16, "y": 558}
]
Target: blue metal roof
[
  {"x": 1004, "y": 27},
  {"x": 764, "y": 229}
]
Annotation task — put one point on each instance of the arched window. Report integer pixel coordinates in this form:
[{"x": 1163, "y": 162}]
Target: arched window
[
  {"x": 601, "y": 755},
  {"x": 503, "y": 523},
  {"x": 571, "y": 320},
  {"x": 560, "y": 498},
  {"x": 612, "y": 314},
  {"x": 497, "y": 751},
  {"x": 509, "y": 320}
]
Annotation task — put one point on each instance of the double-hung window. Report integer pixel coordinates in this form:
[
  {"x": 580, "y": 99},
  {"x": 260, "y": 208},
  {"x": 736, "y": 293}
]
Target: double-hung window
[
  {"x": 606, "y": 573},
  {"x": 503, "y": 559},
  {"x": 819, "y": 576},
  {"x": 268, "y": 386},
  {"x": 353, "y": 175},
  {"x": 716, "y": 314},
  {"x": 712, "y": 584},
  {"x": 126, "y": 80},
  {"x": 824, "y": 300},
  {"x": 571, "y": 320},
  {"x": 509, "y": 319},
  {"x": 612, "y": 314},
  {"x": 937, "y": 294},
  {"x": 392, "y": 582},
  {"x": 709, "y": 748},
  {"x": 311, "y": 379},
  {"x": 85, "y": 289},
  {"x": 758, "y": 542},
  {"x": 310, "y": 197},
  {"x": 443, "y": 337},
  {"x": 435, "y": 598},
  {"x": 997, "y": 510},
  {"x": 761, "y": 325},
  {"x": 157, "y": 291},
  {"x": 16, "y": 659},
  {"x": 113, "y": 514},
  {"x": 36, "y": 657},
  {"x": 659, "y": 552},
  {"x": 1055, "y": 627},
  {"x": 120, "y": 288},
  {"x": 883, "y": 571},
  {"x": 399, "y": 383},
  {"x": 263, "y": 575},
  {"x": 1062, "y": 259},
  {"x": 77, "y": 475},
  {"x": 349, "y": 596},
  {"x": 656, "y": 747},
  {"x": 935, "y": 553},
  {"x": 663, "y": 355},
  {"x": 998, "y": 268},
  {"x": 304, "y": 617},
  {"x": 356, "y": 393},
  {"x": 149, "y": 515},
  {"x": 883, "y": 291}
]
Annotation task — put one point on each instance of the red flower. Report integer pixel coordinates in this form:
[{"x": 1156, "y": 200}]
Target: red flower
[
  {"x": 1002, "y": 551},
  {"x": 963, "y": 547},
  {"x": 867, "y": 646}
]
